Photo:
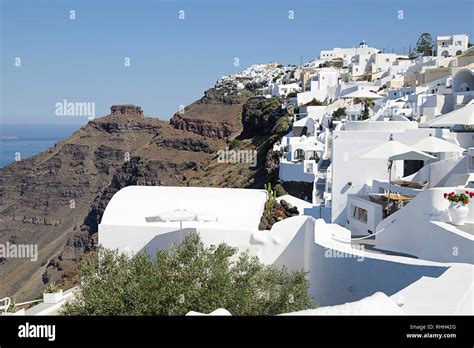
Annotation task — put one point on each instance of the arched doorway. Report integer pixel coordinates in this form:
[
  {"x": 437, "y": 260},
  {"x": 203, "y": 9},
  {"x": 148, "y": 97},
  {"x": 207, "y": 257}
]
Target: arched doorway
[{"x": 464, "y": 87}]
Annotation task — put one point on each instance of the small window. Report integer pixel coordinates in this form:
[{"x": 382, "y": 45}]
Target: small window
[{"x": 359, "y": 214}]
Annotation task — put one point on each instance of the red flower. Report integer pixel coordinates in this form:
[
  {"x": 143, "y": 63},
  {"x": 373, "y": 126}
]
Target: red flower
[{"x": 445, "y": 195}]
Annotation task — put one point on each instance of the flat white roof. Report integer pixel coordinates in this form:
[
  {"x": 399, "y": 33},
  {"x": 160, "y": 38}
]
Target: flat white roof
[
  {"x": 376, "y": 304},
  {"x": 450, "y": 293},
  {"x": 235, "y": 208}
]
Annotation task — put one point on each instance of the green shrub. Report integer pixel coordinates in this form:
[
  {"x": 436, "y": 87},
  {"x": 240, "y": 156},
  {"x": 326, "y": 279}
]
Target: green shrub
[
  {"x": 234, "y": 144},
  {"x": 187, "y": 278},
  {"x": 314, "y": 101},
  {"x": 281, "y": 127},
  {"x": 13, "y": 307},
  {"x": 280, "y": 190},
  {"x": 339, "y": 113},
  {"x": 52, "y": 288}
]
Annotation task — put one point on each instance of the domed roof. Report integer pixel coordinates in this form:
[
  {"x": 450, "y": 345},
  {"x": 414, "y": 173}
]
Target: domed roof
[{"x": 362, "y": 43}]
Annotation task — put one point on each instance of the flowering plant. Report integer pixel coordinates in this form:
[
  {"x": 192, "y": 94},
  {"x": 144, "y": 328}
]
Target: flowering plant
[{"x": 459, "y": 198}]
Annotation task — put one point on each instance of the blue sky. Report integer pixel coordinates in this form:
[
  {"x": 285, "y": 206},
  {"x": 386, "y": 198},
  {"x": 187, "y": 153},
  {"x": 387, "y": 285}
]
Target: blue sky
[{"x": 173, "y": 61}]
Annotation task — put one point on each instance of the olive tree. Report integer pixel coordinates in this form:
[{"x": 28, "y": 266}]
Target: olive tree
[{"x": 188, "y": 277}]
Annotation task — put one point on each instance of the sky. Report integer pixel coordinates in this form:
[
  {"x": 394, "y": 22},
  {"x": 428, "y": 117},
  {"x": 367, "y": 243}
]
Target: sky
[{"x": 174, "y": 60}]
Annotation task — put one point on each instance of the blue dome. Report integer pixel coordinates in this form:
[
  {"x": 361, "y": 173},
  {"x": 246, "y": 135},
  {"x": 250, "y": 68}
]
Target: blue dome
[{"x": 362, "y": 43}]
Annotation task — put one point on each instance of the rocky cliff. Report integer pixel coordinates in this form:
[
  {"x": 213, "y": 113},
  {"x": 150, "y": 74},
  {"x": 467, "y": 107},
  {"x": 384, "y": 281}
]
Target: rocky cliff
[
  {"x": 216, "y": 115},
  {"x": 56, "y": 199},
  {"x": 259, "y": 116}
]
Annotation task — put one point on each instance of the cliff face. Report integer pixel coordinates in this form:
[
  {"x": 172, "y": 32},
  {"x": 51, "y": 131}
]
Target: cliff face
[
  {"x": 259, "y": 116},
  {"x": 56, "y": 199},
  {"x": 216, "y": 115},
  {"x": 205, "y": 128}
]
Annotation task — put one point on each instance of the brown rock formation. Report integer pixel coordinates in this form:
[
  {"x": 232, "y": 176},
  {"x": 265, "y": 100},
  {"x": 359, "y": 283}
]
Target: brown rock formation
[
  {"x": 55, "y": 199},
  {"x": 216, "y": 115},
  {"x": 126, "y": 109}
]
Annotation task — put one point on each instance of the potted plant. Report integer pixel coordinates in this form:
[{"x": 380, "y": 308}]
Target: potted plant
[
  {"x": 458, "y": 209},
  {"x": 52, "y": 294}
]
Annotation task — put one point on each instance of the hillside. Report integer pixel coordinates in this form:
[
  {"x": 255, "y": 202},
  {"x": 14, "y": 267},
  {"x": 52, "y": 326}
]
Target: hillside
[
  {"x": 217, "y": 114},
  {"x": 56, "y": 199}
]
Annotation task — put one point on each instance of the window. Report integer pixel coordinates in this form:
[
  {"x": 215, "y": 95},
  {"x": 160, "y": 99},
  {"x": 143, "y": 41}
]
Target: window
[
  {"x": 458, "y": 43},
  {"x": 299, "y": 155},
  {"x": 387, "y": 60},
  {"x": 359, "y": 214}
]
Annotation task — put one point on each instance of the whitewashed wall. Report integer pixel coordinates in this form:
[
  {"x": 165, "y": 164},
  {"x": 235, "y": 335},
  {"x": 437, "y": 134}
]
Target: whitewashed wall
[
  {"x": 340, "y": 274},
  {"x": 294, "y": 172},
  {"x": 374, "y": 215},
  {"x": 349, "y": 167},
  {"x": 425, "y": 239}
]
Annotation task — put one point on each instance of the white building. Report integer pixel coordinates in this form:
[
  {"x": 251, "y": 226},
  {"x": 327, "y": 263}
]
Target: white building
[
  {"x": 375, "y": 64},
  {"x": 347, "y": 53},
  {"x": 339, "y": 270},
  {"x": 321, "y": 86},
  {"x": 451, "y": 45},
  {"x": 404, "y": 91},
  {"x": 229, "y": 215},
  {"x": 462, "y": 87},
  {"x": 281, "y": 90}
]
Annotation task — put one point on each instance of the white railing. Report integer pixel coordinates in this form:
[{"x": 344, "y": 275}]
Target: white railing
[
  {"x": 361, "y": 238},
  {"x": 6, "y": 304}
]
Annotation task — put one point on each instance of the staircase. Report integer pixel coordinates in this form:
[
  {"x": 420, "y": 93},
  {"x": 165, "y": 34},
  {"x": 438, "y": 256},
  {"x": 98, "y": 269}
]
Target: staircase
[{"x": 323, "y": 167}]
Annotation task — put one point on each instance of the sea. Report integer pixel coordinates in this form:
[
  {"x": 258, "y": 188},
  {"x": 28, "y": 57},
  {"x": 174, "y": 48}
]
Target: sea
[{"x": 20, "y": 141}]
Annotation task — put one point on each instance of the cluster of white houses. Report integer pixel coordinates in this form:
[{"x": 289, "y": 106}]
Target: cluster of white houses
[{"x": 386, "y": 141}]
